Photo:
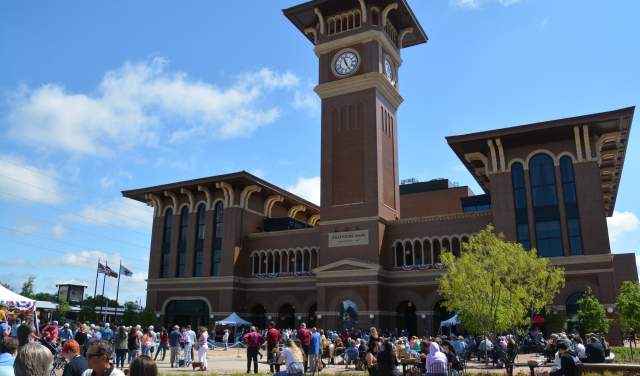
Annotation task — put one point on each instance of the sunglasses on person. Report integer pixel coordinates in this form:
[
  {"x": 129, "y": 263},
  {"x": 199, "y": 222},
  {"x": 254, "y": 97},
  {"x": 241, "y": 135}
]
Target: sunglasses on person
[{"x": 89, "y": 356}]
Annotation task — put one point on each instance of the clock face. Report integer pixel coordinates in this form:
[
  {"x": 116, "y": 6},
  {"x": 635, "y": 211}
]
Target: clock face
[
  {"x": 346, "y": 63},
  {"x": 388, "y": 69}
]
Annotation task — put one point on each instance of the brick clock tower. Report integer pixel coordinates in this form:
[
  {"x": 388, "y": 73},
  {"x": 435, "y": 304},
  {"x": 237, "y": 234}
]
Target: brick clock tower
[{"x": 358, "y": 44}]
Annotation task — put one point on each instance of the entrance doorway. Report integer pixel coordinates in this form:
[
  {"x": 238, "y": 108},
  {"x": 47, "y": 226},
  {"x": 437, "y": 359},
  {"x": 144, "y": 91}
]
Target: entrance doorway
[
  {"x": 287, "y": 317},
  {"x": 258, "y": 316},
  {"x": 406, "y": 319},
  {"x": 348, "y": 315},
  {"x": 186, "y": 312}
]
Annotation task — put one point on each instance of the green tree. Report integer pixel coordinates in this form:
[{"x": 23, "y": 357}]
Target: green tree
[
  {"x": 45, "y": 296},
  {"x": 6, "y": 285},
  {"x": 147, "y": 317},
  {"x": 102, "y": 301},
  {"x": 555, "y": 322},
  {"x": 591, "y": 314},
  {"x": 130, "y": 314},
  {"x": 629, "y": 305},
  {"x": 495, "y": 285},
  {"x": 87, "y": 311},
  {"x": 62, "y": 310},
  {"x": 629, "y": 308},
  {"x": 27, "y": 287}
]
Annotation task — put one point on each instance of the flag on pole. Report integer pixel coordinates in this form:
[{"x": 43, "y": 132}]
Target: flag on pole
[
  {"x": 110, "y": 272},
  {"x": 126, "y": 272},
  {"x": 106, "y": 270}
]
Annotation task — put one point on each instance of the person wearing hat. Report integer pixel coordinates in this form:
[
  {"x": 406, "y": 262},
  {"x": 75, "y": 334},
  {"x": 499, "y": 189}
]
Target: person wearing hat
[
  {"x": 174, "y": 343},
  {"x": 5, "y": 331},
  {"x": 65, "y": 333}
]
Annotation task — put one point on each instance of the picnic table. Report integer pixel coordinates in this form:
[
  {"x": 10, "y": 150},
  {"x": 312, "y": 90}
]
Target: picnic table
[{"x": 408, "y": 364}]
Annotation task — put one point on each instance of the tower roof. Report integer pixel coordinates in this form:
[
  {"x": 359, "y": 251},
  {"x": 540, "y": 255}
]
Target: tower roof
[
  {"x": 303, "y": 16},
  {"x": 609, "y": 134}
]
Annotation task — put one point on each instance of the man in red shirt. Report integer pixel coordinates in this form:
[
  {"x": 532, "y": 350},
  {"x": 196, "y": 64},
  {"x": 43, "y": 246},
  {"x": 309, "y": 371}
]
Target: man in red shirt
[
  {"x": 253, "y": 340},
  {"x": 273, "y": 339},
  {"x": 304, "y": 335}
]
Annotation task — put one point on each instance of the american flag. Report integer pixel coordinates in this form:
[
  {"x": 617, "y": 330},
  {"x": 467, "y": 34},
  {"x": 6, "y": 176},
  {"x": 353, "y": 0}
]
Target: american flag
[{"x": 105, "y": 269}]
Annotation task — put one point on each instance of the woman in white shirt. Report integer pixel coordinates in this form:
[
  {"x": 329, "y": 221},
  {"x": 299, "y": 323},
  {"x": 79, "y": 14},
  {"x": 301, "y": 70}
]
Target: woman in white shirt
[
  {"x": 293, "y": 359},
  {"x": 203, "y": 345},
  {"x": 581, "y": 351}
]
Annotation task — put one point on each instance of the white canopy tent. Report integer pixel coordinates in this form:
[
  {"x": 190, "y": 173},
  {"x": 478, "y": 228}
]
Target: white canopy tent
[{"x": 16, "y": 302}]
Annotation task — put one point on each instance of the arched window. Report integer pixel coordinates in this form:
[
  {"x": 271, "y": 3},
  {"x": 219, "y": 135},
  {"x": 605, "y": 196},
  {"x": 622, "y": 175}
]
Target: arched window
[
  {"x": 306, "y": 261},
  {"x": 436, "y": 251},
  {"x": 399, "y": 254},
  {"x": 545, "y": 206},
  {"x": 270, "y": 262},
  {"x": 277, "y": 262},
  {"x": 572, "y": 305},
  {"x": 182, "y": 241},
  {"x": 417, "y": 251},
  {"x": 455, "y": 247},
  {"x": 263, "y": 263},
  {"x": 427, "y": 252},
  {"x": 571, "y": 206},
  {"x": 298, "y": 261},
  {"x": 520, "y": 204},
  {"x": 166, "y": 243},
  {"x": 216, "y": 249},
  {"x": 408, "y": 254},
  {"x": 255, "y": 260},
  {"x": 292, "y": 262},
  {"x": 446, "y": 245},
  {"x": 199, "y": 246}
]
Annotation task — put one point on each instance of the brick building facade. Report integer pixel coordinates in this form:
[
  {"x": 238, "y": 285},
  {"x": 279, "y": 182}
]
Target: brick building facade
[{"x": 370, "y": 252}]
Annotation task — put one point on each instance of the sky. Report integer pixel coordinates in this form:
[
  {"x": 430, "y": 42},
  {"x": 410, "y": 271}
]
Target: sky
[{"x": 99, "y": 97}]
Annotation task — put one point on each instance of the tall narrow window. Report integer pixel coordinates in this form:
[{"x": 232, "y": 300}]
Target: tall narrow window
[
  {"x": 571, "y": 206},
  {"x": 545, "y": 206},
  {"x": 216, "y": 251},
  {"x": 166, "y": 243},
  {"x": 199, "y": 246},
  {"x": 520, "y": 204},
  {"x": 182, "y": 241}
]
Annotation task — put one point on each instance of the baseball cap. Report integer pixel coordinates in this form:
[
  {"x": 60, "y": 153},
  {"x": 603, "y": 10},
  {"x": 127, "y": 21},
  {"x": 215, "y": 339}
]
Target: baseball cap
[{"x": 4, "y": 327}]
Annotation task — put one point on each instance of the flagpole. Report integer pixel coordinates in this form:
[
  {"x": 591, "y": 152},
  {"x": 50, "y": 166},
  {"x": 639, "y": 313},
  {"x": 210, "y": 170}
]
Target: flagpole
[
  {"x": 95, "y": 287},
  {"x": 115, "y": 315},
  {"x": 104, "y": 280}
]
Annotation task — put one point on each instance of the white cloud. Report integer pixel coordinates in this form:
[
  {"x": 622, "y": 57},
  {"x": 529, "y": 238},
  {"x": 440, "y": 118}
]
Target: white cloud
[
  {"x": 307, "y": 188},
  {"x": 23, "y": 182},
  {"x": 106, "y": 182},
  {"x": 121, "y": 212},
  {"x": 82, "y": 259},
  {"x": 620, "y": 223},
  {"x": 57, "y": 231},
  {"x": 474, "y": 4},
  {"x": 135, "y": 103},
  {"x": 26, "y": 228},
  {"x": 307, "y": 100},
  {"x": 466, "y": 3}
]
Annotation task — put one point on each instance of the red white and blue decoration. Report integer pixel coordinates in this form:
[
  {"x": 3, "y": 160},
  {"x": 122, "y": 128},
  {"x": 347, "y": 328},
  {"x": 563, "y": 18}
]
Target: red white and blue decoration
[{"x": 16, "y": 302}]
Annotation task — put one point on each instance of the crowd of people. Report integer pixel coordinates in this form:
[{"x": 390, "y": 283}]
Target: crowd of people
[{"x": 84, "y": 349}]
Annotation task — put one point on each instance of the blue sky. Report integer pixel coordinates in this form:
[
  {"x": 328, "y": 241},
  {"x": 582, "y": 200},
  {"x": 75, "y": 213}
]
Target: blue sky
[{"x": 100, "y": 97}]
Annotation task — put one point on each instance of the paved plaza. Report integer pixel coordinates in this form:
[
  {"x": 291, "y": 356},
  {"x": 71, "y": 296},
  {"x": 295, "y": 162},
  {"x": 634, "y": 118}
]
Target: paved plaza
[{"x": 234, "y": 361}]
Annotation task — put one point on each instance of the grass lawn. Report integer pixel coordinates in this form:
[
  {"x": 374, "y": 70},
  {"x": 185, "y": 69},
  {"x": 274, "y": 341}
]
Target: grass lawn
[{"x": 623, "y": 355}]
